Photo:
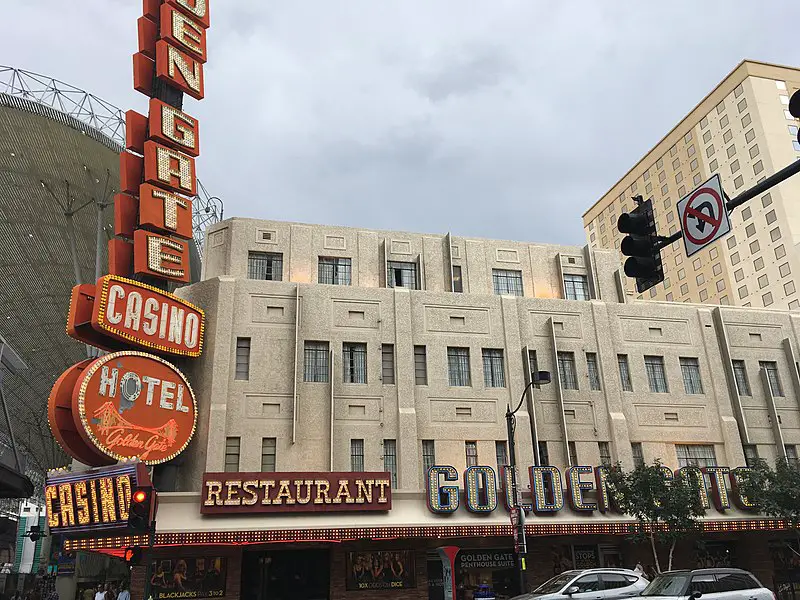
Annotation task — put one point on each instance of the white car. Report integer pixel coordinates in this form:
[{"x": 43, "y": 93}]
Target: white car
[
  {"x": 589, "y": 584},
  {"x": 708, "y": 584}
]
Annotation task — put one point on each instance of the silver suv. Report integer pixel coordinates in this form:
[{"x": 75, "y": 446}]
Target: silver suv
[
  {"x": 589, "y": 584},
  {"x": 708, "y": 584}
]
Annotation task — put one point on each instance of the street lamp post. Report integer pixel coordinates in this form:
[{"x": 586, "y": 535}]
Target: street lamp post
[{"x": 517, "y": 512}]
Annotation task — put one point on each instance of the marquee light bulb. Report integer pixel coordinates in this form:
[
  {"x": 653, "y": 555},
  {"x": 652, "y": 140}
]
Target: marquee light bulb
[{"x": 139, "y": 496}]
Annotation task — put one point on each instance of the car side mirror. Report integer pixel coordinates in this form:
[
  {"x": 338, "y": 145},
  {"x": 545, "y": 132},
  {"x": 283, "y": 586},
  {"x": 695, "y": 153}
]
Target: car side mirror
[
  {"x": 695, "y": 594},
  {"x": 574, "y": 589}
]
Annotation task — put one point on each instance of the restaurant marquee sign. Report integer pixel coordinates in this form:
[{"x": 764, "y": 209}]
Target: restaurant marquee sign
[{"x": 241, "y": 493}]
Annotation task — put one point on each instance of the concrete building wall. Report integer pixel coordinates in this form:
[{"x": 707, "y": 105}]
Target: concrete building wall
[
  {"x": 313, "y": 423},
  {"x": 740, "y": 131}
]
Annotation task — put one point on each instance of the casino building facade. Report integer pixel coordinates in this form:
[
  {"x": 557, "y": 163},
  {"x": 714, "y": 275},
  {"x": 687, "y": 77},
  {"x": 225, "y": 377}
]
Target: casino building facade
[{"x": 350, "y": 378}]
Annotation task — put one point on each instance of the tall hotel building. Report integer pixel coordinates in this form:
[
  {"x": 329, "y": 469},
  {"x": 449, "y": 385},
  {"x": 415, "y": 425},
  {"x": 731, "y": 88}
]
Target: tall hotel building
[{"x": 742, "y": 131}]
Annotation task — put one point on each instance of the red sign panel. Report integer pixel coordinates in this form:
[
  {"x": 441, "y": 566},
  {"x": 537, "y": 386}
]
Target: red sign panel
[
  {"x": 169, "y": 169},
  {"x": 134, "y": 405},
  {"x": 173, "y": 127},
  {"x": 147, "y": 317},
  {"x": 160, "y": 256},
  {"x": 184, "y": 32},
  {"x": 179, "y": 69},
  {"x": 237, "y": 493}
]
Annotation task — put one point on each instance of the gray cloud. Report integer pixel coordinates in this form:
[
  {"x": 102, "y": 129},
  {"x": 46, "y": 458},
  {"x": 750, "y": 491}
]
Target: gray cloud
[{"x": 499, "y": 119}]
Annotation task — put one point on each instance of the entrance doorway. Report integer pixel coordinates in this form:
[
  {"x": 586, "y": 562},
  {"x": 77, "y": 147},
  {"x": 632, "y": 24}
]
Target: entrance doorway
[{"x": 286, "y": 575}]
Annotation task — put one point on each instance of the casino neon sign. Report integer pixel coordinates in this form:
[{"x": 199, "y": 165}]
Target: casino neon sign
[{"x": 584, "y": 488}]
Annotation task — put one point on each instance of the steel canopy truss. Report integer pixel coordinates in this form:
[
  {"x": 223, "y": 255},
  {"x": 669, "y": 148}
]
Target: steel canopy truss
[{"x": 103, "y": 117}]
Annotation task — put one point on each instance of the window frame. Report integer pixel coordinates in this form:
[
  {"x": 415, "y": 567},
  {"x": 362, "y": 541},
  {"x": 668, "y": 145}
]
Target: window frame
[
  {"x": 356, "y": 455},
  {"x": 340, "y": 274},
  {"x": 269, "y": 260},
  {"x": 266, "y": 442},
  {"x": 458, "y": 373},
  {"x": 312, "y": 373},
  {"x": 511, "y": 279},
  {"x": 653, "y": 362},
  {"x": 352, "y": 352},
  {"x": 572, "y": 283},
  {"x": 494, "y": 375}
]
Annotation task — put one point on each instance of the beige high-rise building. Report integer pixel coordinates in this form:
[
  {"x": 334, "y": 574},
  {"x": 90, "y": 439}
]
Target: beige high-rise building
[{"x": 744, "y": 132}]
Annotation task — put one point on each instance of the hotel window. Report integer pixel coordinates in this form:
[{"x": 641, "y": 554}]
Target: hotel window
[
  {"x": 420, "y": 365},
  {"x": 315, "y": 362},
  {"x": 458, "y": 367},
  {"x": 750, "y": 455},
  {"x": 265, "y": 266},
  {"x": 742, "y": 105},
  {"x": 727, "y": 136},
  {"x": 471, "y": 450},
  {"x": 594, "y": 371},
  {"x": 740, "y": 375},
  {"x": 775, "y": 234},
  {"x": 731, "y": 150},
  {"x": 605, "y": 453},
  {"x": 387, "y": 364},
  {"x": 771, "y": 367},
  {"x": 428, "y": 455},
  {"x": 696, "y": 455},
  {"x": 458, "y": 283},
  {"x": 746, "y": 120},
  {"x": 771, "y": 217},
  {"x": 690, "y": 368},
  {"x": 624, "y": 373},
  {"x": 566, "y": 370},
  {"x": 493, "y": 373},
  {"x": 576, "y": 287},
  {"x": 544, "y": 454},
  {"x": 232, "y": 446},
  {"x": 573, "y": 454},
  {"x": 242, "y": 372},
  {"x": 754, "y": 151},
  {"x": 749, "y": 136},
  {"x": 507, "y": 283},
  {"x": 357, "y": 456},
  {"x": 390, "y": 459},
  {"x": 402, "y": 275},
  {"x": 791, "y": 454},
  {"x": 354, "y": 362},
  {"x": 501, "y": 453},
  {"x": 638, "y": 454},
  {"x": 334, "y": 271},
  {"x": 656, "y": 377},
  {"x": 268, "y": 446}
]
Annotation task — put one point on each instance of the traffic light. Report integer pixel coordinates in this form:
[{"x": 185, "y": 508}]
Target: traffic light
[
  {"x": 794, "y": 109},
  {"x": 642, "y": 245},
  {"x": 142, "y": 511},
  {"x": 133, "y": 556}
]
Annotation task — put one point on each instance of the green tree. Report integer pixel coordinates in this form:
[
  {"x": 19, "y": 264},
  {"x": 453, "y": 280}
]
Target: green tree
[
  {"x": 775, "y": 492},
  {"x": 666, "y": 510}
]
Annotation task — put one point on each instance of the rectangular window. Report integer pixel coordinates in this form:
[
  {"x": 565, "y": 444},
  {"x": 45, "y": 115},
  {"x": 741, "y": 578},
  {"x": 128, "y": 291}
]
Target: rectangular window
[
  {"x": 232, "y": 447},
  {"x": 458, "y": 283},
  {"x": 690, "y": 368},
  {"x": 354, "y": 362},
  {"x": 507, "y": 282},
  {"x": 458, "y": 366},
  {"x": 265, "y": 266},
  {"x": 656, "y": 377},
  {"x": 638, "y": 454},
  {"x": 750, "y": 455},
  {"x": 428, "y": 454},
  {"x": 624, "y": 373},
  {"x": 357, "y": 456},
  {"x": 771, "y": 367},
  {"x": 740, "y": 375},
  {"x": 544, "y": 454},
  {"x": 316, "y": 360},
  {"x": 576, "y": 287},
  {"x": 334, "y": 271},
  {"x": 387, "y": 364},
  {"x": 268, "y": 446},
  {"x": 791, "y": 454},
  {"x": 573, "y": 454},
  {"x": 493, "y": 372},
  {"x": 605, "y": 453},
  {"x": 420, "y": 365},
  {"x": 242, "y": 359},
  {"x": 471, "y": 449},
  {"x": 390, "y": 459},
  {"x": 566, "y": 370},
  {"x": 402, "y": 274},
  {"x": 501, "y": 453},
  {"x": 594, "y": 371},
  {"x": 696, "y": 455}
]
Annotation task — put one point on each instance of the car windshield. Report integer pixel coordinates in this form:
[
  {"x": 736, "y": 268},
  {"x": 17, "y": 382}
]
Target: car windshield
[
  {"x": 667, "y": 585},
  {"x": 555, "y": 584}
]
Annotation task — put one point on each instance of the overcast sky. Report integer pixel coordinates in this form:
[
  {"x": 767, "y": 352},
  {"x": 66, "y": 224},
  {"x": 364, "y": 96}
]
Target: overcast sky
[{"x": 502, "y": 118}]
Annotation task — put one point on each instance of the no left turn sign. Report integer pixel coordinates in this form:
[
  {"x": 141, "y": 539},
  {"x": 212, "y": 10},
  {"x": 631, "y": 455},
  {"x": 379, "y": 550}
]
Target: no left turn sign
[{"x": 703, "y": 216}]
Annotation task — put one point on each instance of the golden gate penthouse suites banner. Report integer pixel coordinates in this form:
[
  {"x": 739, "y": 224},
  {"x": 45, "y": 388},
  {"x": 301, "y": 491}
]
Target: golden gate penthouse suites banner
[
  {"x": 381, "y": 570},
  {"x": 200, "y": 577}
]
